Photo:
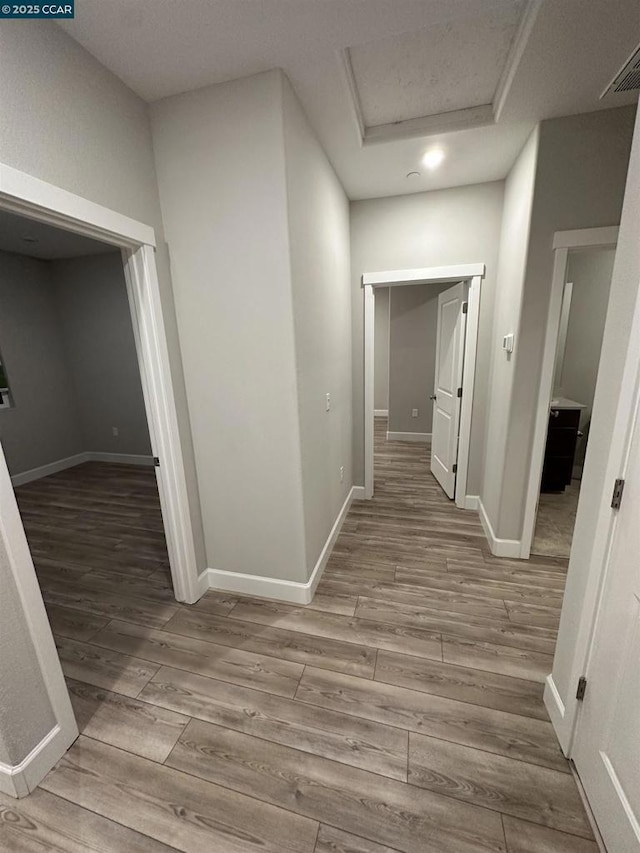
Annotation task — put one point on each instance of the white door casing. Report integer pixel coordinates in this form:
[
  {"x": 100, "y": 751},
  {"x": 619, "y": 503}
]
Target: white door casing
[
  {"x": 606, "y": 749},
  {"x": 450, "y": 342}
]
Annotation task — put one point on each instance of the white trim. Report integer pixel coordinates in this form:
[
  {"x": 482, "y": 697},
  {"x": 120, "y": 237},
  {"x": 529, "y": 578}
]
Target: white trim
[
  {"x": 499, "y": 547},
  {"x": 28, "y": 196},
  {"x": 424, "y": 437},
  {"x": 50, "y": 468},
  {"x": 352, "y": 87},
  {"x": 554, "y": 704},
  {"x": 18, "y": 780},
  {"x": 460, "y": 272},
  {"x": 471, "y": 502},
  {"x": 292, "y": 591},
  {"x": 431, "y": 125},
  {"x": 584, "y": 238},
  {"x": 381, "y": 413},
  {"x": 563, "y": 240},
  {"x": 425, "y": 275},
  {"x": 358, "y": 493}
]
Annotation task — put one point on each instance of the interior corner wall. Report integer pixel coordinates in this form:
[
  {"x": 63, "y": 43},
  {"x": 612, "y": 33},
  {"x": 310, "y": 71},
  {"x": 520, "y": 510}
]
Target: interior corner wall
[
  {"x": 69, "y": 121},
  {"x": 97, "y": 334},
  {"x": 318, "y": 222},
  {"x": 579, "y": 183},
  {"x": 453, "y": 226},
  {"x": 578, "y": 610},
  {"x": 512, "y": 263},
  {"x": 412, "y": 355},
  {"x": 43, "y": 425},
  {"x": 221, "y": 171},
  {"x": 381, "y": 350}
]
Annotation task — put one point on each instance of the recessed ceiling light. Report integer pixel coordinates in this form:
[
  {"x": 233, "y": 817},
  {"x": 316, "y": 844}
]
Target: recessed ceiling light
[
  {"x": 433, "y": 158},
  {"x": 413, "y": 174}
]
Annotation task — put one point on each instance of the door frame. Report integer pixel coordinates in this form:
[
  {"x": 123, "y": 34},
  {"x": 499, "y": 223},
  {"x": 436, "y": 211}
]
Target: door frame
[
  {"x": 471, "y": 273},
  {"x": 30, "y": 197},
  {"x": 563, "y": 242}
]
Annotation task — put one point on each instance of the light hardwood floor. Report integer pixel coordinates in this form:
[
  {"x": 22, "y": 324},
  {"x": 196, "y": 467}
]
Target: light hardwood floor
[{"x": 400, "y": 711}]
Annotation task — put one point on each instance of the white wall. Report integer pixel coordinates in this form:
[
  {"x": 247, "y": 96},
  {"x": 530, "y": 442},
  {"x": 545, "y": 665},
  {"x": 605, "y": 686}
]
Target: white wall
[
  {"x": 514, "y": 239},
  {"x": 579, "y": 183},
  {"x": 455, "y": 226},
  {"x": 318, "y": 220},
  {"x": 100, "y": 351},
  {"x": 221, "y": 171},
  {"x": 381, "y": 349},
  {"x": 412, "y": 355},
  {"x": 43, "y": 425},
  {"x": 581, "y": 594}
]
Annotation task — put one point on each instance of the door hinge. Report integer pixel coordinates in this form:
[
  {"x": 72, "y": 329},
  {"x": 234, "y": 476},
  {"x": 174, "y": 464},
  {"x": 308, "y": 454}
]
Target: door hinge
[
  {"x": 455, "y": 468},
  {"x": 465, "y": 307},
  {"x": 616, "y": 498},
  {"x": 459, "y": 392},
  {"x": 156, "y": 461},
  {"x": 582, "y": 687}
]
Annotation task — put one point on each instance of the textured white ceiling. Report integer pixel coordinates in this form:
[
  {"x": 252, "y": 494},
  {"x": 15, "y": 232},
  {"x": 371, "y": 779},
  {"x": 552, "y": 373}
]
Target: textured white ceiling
[
  {"x": 51, "y": 243},
  {"x": 449, "y": 66},
  {"x": 163, "y": 47}
]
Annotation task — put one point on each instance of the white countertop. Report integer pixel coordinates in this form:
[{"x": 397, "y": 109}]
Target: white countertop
[{"x": 563, "y": 403}]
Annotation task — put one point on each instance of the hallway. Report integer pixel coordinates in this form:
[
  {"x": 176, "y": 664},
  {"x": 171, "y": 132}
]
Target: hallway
[{"x": 400, "y": 711}]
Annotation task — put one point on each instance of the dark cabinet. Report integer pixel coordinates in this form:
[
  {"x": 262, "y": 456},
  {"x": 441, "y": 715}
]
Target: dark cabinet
[{"x": 560, "y": 450}]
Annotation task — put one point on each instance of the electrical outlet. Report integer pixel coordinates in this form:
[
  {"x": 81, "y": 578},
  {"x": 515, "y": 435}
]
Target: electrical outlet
[
  {"x": 414, "y": 413},
  {"x": 342, "y": 473},
  {"x": 327, "y": 402},
  {"x": 115, "y": 431}
]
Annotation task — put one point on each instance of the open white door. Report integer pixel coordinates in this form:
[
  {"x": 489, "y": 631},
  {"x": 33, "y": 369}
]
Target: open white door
[
  {"x": 452, "y": 323},
  {"x": 606, "y": 751}
]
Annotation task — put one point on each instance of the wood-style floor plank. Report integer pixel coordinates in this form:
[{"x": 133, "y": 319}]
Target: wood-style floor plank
[
  {"x": 495, "y": 782},
  {"x": 476, "y": 686},
  {"x": 361, "y": 803},
  {"x": 175, "y": 808},
  {"x": 360, "y": 631},
  {"x": 103, "y": 667},
  {"x": 235, "y": 665},
  {"x": 525, "y": 837},
  {"x": 332, "y": 840},
  {"x": 483, "y": 728},
  {"x": 493, "y": 657},
  {"x": 358, "y": 742},
  {"x": 45, "y": 823},
  {"x": 138, "y": 727},
  {"x": 74, "y": 624},
  {"x": 287, "y": 645}
]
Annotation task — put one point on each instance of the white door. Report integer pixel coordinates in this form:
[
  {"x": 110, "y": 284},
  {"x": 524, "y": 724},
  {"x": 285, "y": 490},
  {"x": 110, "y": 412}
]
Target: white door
[
  {"x": 452, "y": 325},
  {"x": 606, "y": 751}
]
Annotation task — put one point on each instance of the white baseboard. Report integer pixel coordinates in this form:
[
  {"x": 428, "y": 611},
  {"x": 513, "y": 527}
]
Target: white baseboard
[
  {"x": 381, "y": 413},
  {"x": 18, "y": 780},
  {"x": 471, "y": 502},
  {"x": 424, "y": 437},
  {"x": 358, "y": 493},
  {"x": 78, "y": 459},
  {"x": 292, "y": 591},
  {"x": 499, "y": 547},
  {"x": 120, "y": 458}
]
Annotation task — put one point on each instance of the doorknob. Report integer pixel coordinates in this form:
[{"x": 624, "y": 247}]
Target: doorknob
[{"x": 432, "y": 397}]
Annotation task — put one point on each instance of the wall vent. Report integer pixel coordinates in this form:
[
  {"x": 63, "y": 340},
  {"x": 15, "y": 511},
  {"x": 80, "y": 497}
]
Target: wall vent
[{"x": 628, "y": 78}]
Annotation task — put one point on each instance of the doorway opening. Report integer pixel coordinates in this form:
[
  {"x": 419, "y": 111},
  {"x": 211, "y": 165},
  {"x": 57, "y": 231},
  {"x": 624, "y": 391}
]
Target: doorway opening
[
  {"x": 455, "y": 316},
  {"x": 583, "y": 269}
]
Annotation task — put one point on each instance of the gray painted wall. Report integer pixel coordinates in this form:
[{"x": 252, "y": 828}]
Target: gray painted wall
[
  {"x": 318, "y": 222},
  {"x": 97, "y": 334},
  {"x": 580, "y": 179},
  {"x": 226, "y": 219},
  {"x": 58, "y": 103},
  {"x": 412, "y": 355},
  {"x": 590, "y": 271},
  {"x": 454, "y": 226},
  {"x": 381, "y": 349},
  {"x": 43, "y": 426}
]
